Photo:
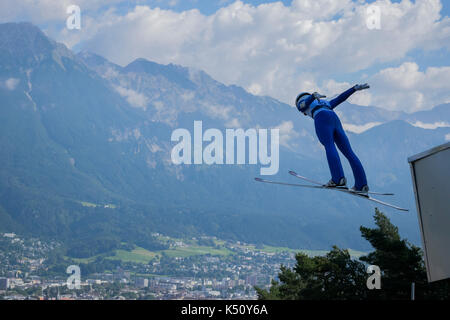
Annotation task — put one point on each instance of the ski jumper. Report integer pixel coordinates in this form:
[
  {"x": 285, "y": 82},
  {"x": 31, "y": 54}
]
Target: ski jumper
[{"x": 330, "y": 132}]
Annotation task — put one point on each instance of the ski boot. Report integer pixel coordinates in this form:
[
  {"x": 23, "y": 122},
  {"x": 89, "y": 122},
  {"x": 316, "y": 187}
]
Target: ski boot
[
  {"x": 363, "y": 191},
  {"x": 331, "y": 184}
]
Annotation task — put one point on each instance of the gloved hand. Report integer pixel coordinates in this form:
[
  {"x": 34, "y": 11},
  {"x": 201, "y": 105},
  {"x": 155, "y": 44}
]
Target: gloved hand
[
  {"x": 359, "y": 87},
  {"x": 318, "y": 95}
]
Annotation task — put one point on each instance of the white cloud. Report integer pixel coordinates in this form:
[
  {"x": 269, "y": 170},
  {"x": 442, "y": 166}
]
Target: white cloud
[
  {"x": 11, "y": 83},
  {"x": 287, "y": 133},
  {"x": 321, "y": 9},
  {"x": 110, "y": 73},
  {"x": 45, "y": 11},
  {"x": 173, "y": 3},
  {"x": 332, "y": 88},
  {"x": 217, "y": 111},
  {"x": 402, "y": 88},
  {"x": 274, "y": 49},
  {"x": 254, "y": 88},
  {"x": 159, "y": 105},
  {"x": 362, "y": 98},
  {"x": 187, "y": 96},
  {"x": 271, "y": 49},
  {"x": 406, "y": 88},
  {"x": 134, "y": 98},
  {"x": 233, "y": 123}
]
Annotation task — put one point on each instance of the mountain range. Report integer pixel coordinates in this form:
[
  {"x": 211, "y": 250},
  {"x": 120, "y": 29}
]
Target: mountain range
[{"x": 86, "y": 155}]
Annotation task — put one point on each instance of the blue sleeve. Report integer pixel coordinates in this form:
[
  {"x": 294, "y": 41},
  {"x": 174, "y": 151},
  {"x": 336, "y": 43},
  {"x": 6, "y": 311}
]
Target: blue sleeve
[{"x": 342, "y": 97}]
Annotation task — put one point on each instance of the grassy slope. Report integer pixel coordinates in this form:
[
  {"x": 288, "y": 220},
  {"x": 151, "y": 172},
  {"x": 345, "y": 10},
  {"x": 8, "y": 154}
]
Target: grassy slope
[{"x": 141, "y": 255}]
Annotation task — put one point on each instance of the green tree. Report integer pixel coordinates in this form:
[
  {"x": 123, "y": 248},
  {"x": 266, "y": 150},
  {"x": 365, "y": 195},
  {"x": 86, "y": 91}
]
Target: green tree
[
  {"x": 337, "y": 276},
  {"x": 401, "y": 264}
]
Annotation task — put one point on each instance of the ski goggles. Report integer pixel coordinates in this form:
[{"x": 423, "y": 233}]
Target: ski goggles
[{"x": 301, "y": 103}]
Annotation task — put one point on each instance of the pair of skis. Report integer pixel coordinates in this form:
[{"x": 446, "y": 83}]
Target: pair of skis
[{"x": 318, "y": 185}]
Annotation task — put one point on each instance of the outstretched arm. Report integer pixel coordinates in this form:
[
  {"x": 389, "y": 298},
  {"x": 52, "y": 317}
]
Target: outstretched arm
[{"x": 344, "y": 95}]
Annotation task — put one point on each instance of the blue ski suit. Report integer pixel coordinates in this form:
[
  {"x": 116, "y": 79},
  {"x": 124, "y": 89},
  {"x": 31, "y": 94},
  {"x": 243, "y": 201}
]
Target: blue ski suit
[{"x": 331, "y": 134}]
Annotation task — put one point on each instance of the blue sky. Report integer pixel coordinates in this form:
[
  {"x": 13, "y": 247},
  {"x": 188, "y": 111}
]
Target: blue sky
[{"x": 268, "y": 47}]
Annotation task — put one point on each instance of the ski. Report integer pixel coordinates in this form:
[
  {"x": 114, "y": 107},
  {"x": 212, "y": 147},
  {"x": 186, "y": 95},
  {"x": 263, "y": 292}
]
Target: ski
[
  {"x": 345, "y": 188},
  {"x": 290, "y": 184},
  {"x": 367, "y": 197}
]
